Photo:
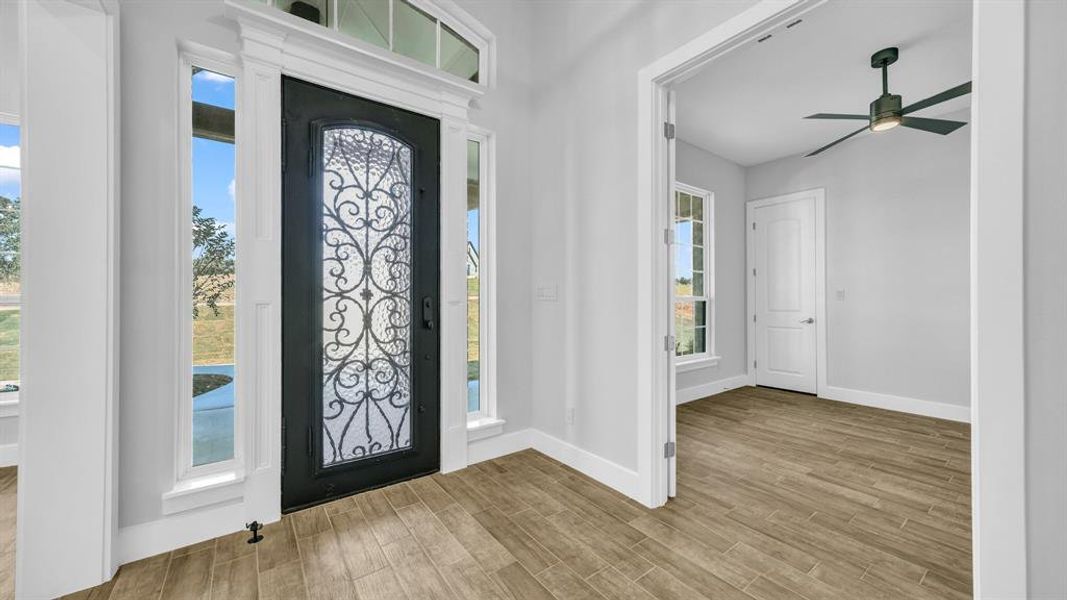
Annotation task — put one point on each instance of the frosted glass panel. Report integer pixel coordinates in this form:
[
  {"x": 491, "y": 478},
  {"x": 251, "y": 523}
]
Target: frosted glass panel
[
  {"x": 458, "y": 56},
  {"x": 415, "y": 33},
  {"x": 367, "y": 20},
  {"x": 366, "y": 283}
]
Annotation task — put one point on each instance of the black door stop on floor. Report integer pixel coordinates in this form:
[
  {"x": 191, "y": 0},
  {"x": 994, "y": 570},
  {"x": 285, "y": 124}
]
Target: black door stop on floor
[{"x": 254, "y": 527}]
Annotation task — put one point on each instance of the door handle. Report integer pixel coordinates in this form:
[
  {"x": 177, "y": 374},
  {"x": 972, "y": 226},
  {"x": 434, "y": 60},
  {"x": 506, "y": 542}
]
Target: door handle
[
  {"x": 809, "y": 320},
  {"x": 427, "y": 312}
]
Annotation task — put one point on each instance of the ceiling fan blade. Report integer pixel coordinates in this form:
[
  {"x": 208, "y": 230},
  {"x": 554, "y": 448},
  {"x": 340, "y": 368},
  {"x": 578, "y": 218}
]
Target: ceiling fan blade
[
  {"x": 837, "y": 116},
  {"x": 837, "y": 141},
  {"x": 941, "y": 126},
  {"x": 959, "y": 90}
]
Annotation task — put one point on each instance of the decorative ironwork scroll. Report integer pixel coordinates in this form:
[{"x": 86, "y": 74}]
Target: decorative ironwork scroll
[{"x": 366, "y": 294}]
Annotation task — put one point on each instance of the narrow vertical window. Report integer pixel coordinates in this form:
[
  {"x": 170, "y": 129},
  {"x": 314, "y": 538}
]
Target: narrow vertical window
[
  {"x": 214, "y": 247},
  {"x": 10, "y": 253},
  {"x": 693, "y": 276},
  {"x": 474, "y": 403}
]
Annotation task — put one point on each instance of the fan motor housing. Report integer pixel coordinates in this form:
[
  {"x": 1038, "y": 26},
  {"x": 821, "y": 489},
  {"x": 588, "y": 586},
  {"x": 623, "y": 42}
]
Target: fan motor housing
[{"x": 885, "y": 105}]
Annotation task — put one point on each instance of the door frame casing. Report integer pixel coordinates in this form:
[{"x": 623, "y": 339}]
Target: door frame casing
[
  {"x": 998, "y": 411},
  {"x": 819, "y": 195}
]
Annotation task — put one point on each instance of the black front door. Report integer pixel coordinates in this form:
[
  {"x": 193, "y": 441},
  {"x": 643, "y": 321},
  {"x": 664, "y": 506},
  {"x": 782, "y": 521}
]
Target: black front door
[{"x": 360, "y": 243}]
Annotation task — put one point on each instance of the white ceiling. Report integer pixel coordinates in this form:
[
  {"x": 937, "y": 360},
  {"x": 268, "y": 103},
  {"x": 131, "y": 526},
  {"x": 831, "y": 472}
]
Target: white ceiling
[{"x": 747, "y": 106}]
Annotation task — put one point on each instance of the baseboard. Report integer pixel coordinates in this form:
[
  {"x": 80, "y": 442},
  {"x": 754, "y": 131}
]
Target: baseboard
[
  {"x": 711, "y": 388},
  {"x": 175, "y": 531},
  {"x": 615, "y": 476},
  {"x": 9, "y": 455},
  {"x": 915, "y": 406},
  {"x": 498, "y": 445}
]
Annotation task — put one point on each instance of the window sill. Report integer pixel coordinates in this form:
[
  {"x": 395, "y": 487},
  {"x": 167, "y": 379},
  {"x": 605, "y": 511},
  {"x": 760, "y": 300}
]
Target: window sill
[
  {"x": 205, "y": 490},
  {"x": 694, "y": 364},
  {"x": 9, "y": 404},
  {"x": 479, "y": 429}
]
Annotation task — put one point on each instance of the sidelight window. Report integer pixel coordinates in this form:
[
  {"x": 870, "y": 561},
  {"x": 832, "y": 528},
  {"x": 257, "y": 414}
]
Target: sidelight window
[
  {"x": 213, "y": 254},
  {"x": 694, "y": 280},
  {"x": 10, "y": 253}
]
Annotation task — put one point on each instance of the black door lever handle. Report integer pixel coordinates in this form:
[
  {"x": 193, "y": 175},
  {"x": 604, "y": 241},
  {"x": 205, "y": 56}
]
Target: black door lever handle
[{"x": 427, "y": 312}]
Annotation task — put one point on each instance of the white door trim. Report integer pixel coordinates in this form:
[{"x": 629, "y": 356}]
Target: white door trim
[
  {"x": 998, "y": 451},
  {"x": 820, "y": 280}
]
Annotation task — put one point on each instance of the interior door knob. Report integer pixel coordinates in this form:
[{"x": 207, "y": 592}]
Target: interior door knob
[{"x": 809, "y": 320}]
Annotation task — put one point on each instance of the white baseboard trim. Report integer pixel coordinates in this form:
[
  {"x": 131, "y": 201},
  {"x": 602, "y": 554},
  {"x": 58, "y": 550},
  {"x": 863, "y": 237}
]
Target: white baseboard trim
[
  {"x": 711, "y": 388},
  {"x": 175, "y": 531},
  {"x": 615, "y": 476},
  {"x": 497, "y": 446},
  {"x": 915, "y": 406},
  {"x": 9, "y": 455}
]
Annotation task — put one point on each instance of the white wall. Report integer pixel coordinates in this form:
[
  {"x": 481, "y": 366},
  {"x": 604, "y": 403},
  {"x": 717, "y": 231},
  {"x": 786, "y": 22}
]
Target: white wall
[
  {"x": 1046, "y": 290},
  {"x": 897, "y": 244},
  {"x": 698, "y": 167},
  {"x": 584, "y": 194}
]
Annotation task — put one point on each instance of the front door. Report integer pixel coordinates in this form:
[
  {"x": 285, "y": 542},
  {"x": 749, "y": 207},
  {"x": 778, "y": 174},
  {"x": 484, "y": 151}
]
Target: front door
[
  {"x": 784, "y": 276},
  {"x": 360, "y": 249}
]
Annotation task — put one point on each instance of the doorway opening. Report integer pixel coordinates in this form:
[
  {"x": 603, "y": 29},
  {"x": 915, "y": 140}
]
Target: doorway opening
[{"x": 794, "y": 361}]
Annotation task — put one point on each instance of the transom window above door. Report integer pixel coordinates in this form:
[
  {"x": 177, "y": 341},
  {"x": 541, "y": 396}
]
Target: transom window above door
[{"x": 417, "y": 29}]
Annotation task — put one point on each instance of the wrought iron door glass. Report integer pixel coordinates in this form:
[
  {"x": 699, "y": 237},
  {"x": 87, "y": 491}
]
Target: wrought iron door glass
[{"x": 366, "y": 294}]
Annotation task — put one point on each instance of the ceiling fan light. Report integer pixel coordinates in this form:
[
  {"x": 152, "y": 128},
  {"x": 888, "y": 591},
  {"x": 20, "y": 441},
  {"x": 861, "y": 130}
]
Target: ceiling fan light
[{"x": 885, "y": 123}]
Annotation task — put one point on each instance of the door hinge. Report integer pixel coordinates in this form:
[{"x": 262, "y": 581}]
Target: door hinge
[
  {"x": 753, "y": 318},
  {"x": 668, "y": 131},
  {"x": 753, "y": 225},
  {"x": 310, "y": 443},
  {"x": 668, "y": 450},
  {"x": 668, "y": 343},
  {"x": 755, "y": 364},
  {"x": 668, "y": 236}
]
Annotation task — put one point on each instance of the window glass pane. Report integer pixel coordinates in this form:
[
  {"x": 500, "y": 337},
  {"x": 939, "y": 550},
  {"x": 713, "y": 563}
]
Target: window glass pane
[
  {"x": 698, "y": 233},
  {"x": 698, "y": 208},
  {"x": 213, "y": 254},
  {"x": 698, "y": 258},
  {"x": 699, "y": 340},
  {"x": 312, "y": 10},
  {"x": 683, "y": 271},
  {"x": 698, "y": 283},
  {"x": 414, "y": 33},
  {"x": 700, "y": 310},
  {"x": 366, "y": 294},
  {"x": 10, "y": 247},
  {"x": 684, "y": 206},
  {"x": 458, "y": 56},
  {"x": 473, "y": 279},
  {"x": 683, "y": 328},
  {"x": 367, "y": 20}
]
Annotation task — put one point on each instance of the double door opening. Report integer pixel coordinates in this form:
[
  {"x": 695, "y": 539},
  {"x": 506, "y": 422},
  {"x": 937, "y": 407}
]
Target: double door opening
[{"x": 360, "y": 294}]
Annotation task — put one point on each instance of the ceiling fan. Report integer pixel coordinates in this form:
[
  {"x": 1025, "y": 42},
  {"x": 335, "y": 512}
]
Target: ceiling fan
[{"x": 886, "y": 112}]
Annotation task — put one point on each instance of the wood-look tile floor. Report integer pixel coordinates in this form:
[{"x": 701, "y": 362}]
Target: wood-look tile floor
[
  {"x": 780, "y": 495},
  {"x": 8, "y": 495}
]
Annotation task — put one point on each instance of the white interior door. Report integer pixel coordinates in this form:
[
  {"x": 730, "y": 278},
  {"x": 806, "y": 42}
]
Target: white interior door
[{"x": 784, "y": 288}]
